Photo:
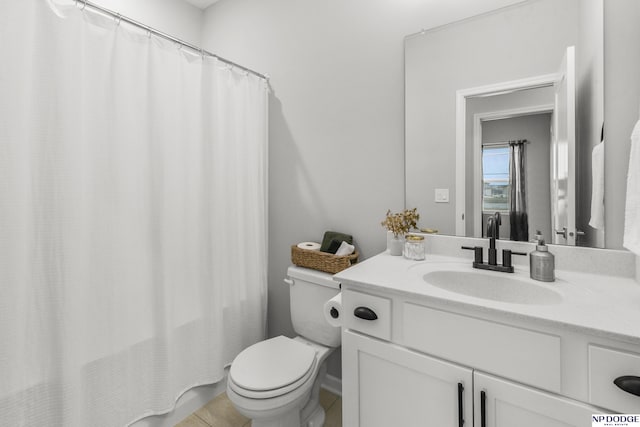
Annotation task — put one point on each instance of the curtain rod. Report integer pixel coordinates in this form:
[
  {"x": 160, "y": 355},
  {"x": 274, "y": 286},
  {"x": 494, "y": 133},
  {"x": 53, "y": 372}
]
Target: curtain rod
[
  {"x": 504, "y": 143},
  {"x": 82, "y": 4}
]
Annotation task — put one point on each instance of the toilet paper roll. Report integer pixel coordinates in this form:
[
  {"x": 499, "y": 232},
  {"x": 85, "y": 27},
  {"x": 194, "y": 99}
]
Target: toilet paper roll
[
  {"x": 312, "y": 246},
  {"x": 333, "y": 311}
]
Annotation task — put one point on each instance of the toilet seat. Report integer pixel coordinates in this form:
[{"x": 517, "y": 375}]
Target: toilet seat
[{"x": 272, "y": 368}]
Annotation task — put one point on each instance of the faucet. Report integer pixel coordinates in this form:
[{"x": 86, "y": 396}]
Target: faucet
[
  {"x": 493, "y": 225},
  {"x": 493, "y": 233}
]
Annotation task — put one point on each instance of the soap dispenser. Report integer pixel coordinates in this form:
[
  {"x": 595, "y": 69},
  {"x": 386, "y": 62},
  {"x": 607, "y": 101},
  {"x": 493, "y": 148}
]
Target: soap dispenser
[{"x": 541, "y": 262}]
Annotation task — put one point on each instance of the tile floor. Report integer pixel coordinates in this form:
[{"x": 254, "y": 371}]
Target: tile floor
[{"x": 221, "y": 413}]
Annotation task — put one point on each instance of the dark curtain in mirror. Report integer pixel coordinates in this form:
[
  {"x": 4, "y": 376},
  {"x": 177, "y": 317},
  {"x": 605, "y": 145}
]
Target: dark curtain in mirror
[{"x": 518, "y": 205}]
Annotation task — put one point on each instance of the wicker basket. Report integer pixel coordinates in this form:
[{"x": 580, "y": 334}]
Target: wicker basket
[{"x": 322, "y": 261}]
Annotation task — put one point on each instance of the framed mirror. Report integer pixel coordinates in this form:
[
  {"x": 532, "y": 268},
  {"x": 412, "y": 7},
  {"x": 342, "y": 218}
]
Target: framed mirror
[{"x": 530, "y": 72}]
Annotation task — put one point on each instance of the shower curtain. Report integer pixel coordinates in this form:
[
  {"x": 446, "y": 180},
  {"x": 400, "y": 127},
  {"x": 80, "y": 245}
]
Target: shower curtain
[
  {"x": 518, "y": 200},
  {"x": 133, "y": 218}
]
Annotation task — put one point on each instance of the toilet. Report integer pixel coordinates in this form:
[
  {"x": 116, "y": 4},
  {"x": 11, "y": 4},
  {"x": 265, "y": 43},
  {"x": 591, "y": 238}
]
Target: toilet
[{"x": 276, "y": 382}]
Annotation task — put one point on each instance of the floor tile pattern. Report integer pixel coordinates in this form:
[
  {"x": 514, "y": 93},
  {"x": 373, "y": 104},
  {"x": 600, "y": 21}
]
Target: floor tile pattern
[{"x": 220, "y": 412}]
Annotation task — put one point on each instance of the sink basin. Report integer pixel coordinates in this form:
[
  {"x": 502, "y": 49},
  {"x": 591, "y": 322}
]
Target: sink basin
[{"x": 497, "y": 287}]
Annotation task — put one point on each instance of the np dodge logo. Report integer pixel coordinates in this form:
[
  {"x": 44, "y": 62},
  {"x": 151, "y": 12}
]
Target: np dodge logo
[{"x": 615, "y": 420}]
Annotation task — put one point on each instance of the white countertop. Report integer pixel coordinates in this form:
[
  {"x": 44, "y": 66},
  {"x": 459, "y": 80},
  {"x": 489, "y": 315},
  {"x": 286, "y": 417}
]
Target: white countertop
[{"x": 600, "y": 305}]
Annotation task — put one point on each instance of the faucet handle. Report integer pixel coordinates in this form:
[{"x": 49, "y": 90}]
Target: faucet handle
[
  {"x": 506, "y": 256},
  {"x": 477, "y": 253}
]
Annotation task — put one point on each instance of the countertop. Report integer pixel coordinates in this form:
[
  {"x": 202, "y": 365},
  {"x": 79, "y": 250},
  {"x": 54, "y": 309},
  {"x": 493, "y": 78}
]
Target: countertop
[{"x": 601, "y": 305}]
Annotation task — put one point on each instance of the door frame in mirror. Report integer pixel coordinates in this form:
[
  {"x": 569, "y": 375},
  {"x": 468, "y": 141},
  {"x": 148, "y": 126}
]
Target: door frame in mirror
[
  {"x": 477, "y": 151},
  {"x": 461, "y": 131}
]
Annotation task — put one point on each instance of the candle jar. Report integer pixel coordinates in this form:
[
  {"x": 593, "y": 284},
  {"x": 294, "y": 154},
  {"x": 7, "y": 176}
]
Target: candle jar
[{"x": 414, "y": 247}]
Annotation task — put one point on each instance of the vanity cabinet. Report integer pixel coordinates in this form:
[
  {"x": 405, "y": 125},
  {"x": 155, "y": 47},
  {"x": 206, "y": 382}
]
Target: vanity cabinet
[
  {"x": 504, "y": 403},
  {"x": 387, "y": 385},
  {"x": 417, "y": 365}
]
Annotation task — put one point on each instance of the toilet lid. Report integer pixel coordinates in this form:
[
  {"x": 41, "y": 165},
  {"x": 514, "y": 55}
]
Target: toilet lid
[{"x": 272, "y": 364}]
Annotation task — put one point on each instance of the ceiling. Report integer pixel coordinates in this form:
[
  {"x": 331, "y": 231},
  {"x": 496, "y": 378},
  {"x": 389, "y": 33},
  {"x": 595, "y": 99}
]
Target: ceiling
[{"x": 202, "y": 4}]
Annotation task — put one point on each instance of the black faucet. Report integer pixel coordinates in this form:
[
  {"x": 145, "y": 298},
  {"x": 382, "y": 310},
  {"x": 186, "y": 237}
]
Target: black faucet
[
  {"x": 493, "y": 232},
  {"x": 493, "y": 225},
  {"x": 492, "y": 264}
]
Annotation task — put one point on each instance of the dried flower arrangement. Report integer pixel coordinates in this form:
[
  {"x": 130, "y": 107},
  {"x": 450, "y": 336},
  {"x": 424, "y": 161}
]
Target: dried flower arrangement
[{"x": 401, "y": 223}]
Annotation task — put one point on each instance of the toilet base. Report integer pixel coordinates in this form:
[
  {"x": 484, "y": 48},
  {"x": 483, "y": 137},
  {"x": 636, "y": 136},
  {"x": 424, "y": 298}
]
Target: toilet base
[
  {"x": 290, "y": 419},
  {"x": 303, "y": 411},
  {"x": 317, "y": 418},
  {"x": 313, "y": 414}
]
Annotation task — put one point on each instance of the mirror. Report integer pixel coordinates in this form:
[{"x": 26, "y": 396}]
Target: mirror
[{"x": 529, "y": 72}]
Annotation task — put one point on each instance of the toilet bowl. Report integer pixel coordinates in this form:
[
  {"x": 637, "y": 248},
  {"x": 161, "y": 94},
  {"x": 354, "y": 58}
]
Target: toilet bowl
[{"x": 276, "y": 382}]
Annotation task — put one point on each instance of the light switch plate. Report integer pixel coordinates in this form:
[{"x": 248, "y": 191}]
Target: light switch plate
[{"x": 442, "y": 195}]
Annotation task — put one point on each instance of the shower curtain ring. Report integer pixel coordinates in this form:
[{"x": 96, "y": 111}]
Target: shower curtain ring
[
  {"x": 118, "y": 19},
  {"x": 84, "y": 5}
]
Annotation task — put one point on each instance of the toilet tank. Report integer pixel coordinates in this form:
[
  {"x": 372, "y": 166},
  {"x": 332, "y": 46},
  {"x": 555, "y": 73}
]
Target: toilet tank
[{"x": 308, "y": 291}]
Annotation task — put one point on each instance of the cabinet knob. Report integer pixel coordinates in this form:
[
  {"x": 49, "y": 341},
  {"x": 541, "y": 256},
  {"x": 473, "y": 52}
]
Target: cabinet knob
[
  {"x": 628, "y": 383},
  {"x": 365, "y": 313}
]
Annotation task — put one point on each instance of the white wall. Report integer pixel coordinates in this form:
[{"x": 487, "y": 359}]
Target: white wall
[
  {"x": 176, "y": 18},
  {"x": 621, "y": 106},
  {"x": 336, "y": 112}
]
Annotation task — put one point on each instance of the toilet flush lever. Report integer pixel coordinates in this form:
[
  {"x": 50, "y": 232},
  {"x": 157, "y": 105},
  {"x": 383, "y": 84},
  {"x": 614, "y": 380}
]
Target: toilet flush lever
[
  {"x": 288, "y": 282},
  {"x": 365, "y": 313}
]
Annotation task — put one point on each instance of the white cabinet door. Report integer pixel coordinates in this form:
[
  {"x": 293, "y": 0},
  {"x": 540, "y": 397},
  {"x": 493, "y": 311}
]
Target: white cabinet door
[
  {"x": 387, "y": 385},
  {"x": 507, "y": 404}
]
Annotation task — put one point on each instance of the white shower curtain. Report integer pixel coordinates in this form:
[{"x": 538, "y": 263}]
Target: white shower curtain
[{"x": 133, "y": 218}]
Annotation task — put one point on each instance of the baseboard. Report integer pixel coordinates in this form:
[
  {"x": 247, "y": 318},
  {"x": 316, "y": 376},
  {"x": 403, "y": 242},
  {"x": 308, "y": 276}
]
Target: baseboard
[{"x": 332, "y": 384}]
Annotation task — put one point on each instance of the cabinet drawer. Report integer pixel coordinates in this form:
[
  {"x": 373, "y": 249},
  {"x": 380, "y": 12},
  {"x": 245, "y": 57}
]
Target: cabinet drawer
[
  {"x": 380, "y": 327},
  {"x": 605, "y": 365},
  {"x": 530, "y": 357}
]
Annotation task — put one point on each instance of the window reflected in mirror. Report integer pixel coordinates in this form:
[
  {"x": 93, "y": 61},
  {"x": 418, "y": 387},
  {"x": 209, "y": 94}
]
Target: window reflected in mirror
[{"x": 495, "y": 178}]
